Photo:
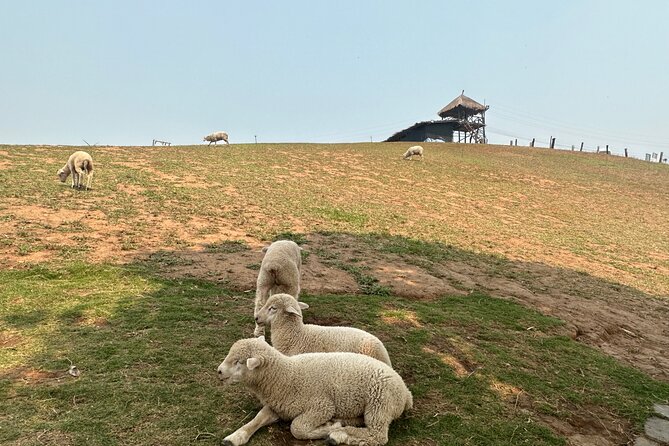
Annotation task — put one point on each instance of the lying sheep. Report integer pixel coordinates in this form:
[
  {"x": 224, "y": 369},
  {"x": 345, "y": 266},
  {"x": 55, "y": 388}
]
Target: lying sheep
[
  {"x": 283, "y": 314},
  {"x": 413, "y": 151},
  {"x": 319, "y": 392},
  {"x": 215, "y": 137},
  {"x": 78, "y": 164},
  {"x": 279, "y": 273}
]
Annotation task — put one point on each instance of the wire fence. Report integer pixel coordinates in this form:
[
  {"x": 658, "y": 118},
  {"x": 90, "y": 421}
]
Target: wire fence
[{"x": 553, "y": 142}]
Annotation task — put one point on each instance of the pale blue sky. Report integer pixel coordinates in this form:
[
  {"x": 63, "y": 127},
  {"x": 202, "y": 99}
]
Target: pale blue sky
[{"x": 125, "y": 72}]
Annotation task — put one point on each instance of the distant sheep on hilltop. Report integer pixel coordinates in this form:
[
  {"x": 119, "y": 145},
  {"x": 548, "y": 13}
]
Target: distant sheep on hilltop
[
  {"x": 216, "y": 136},
  {"x": 413, "y": 151}
]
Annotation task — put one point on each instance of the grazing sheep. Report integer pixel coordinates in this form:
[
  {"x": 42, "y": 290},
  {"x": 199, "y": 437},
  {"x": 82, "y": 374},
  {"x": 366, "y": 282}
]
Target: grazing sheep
[
  {"x": 216, "y": 136},
  {"x": 319, "y": 392},
  {"x": 413, "y": 151},
  {"x": 279, "y": 273},
  {"x": 78, "y": 164},
  {"x": 283, "y": 314}
]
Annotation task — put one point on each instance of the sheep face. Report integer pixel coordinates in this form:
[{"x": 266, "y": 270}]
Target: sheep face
[
  {"x": 62, "y": 175},
  {"x": 243, "y": 358},
  {"x": 277, "y": 304}
]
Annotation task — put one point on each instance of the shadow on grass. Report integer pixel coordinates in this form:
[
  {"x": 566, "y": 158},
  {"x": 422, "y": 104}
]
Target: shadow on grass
[{"x": 483, "y": 371}]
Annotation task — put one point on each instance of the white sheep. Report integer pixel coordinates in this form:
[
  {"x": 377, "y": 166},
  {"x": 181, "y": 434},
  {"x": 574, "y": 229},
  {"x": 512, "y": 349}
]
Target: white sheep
[
  {"x": 413, "y": 151},
  {"x": 279, "y": 273},
  {"x": 78, "y": 164},
  {"x": 216, "y": 136},
  {"x": 319, "y": 392},
  {"x": 291, "y": 336}
]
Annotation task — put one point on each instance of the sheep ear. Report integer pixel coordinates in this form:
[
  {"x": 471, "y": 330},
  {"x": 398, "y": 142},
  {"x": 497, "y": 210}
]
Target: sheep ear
[
  {"x": 292, "y": 310},
  {"x": 252, "y": 363},
  {"x": 265, "y": 249},
  {"x": 303, "y": 305}
]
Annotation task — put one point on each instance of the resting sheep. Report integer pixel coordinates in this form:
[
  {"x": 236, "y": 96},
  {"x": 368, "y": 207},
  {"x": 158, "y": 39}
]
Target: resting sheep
[
  {"x": 78, "y": 164},
  {"x": 216, "y": 136},
  {"x": 279, "y": 273},
  {"x": 319, "y": 392},
  {"x": 291, "y": 336},
  {"x": 413, "y": 151}
]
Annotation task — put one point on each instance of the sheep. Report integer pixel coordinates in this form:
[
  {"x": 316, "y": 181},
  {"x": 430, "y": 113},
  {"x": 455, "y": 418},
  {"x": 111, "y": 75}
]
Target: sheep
[
  {"x": 78, "y": 164},
  {"x": 319, "y": 392},
  {"x": 279, "y": 273},
  {"x": 413, "y": 150},
  {"x": 283, "y": 314},
  {"x": 216, "y": 136}
]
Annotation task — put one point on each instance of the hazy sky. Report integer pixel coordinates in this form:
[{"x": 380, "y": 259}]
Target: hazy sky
[{"x": 126, "y": 72}]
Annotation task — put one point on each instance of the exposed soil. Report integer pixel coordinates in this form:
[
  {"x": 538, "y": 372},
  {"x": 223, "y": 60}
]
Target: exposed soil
[{"x": 622, "y": 321}]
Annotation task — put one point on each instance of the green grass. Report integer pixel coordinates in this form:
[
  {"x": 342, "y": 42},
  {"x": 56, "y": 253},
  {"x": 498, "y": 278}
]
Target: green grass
[
  {"x": 227, "y": 247},
  {"x": 483, "y": 371},
  {"x": 148, "y": 348}
]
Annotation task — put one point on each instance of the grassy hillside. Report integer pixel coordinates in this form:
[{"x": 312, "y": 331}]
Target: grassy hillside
[{"x": 522, "y": 294}]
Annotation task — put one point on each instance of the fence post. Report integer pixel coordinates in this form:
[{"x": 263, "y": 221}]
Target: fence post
[
  {"x": 597, "y": 149},
  {"x": 607, "y": 149},
  {"x": 511, "y": 142},
  {"x": 581, "y": 147},
  {"x": 552, "y": 145},
  {"x": 661, "y": 155},
  {"x": 625, "y": 152},
  {"x": 532, "y": 143}
]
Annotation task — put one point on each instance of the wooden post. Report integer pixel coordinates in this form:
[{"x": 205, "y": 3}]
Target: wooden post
[
  {"x": 625, "y": 152},
  {"x": 607, "y": 149},
  {"x": 552, "y": 142},
  {"x": 597, "y": 149},
  {"x": 661, "y": 155},
  {"x": 581, "y": 147},
  {"x": 572, "y": 147},
  {"x": 516, "y": 142},
  {"x": 511, "y": 142},
  {"x": 532, "y": 143}
]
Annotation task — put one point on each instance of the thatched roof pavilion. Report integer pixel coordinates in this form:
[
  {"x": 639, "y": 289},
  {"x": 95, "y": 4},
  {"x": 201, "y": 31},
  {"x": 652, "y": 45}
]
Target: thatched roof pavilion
[
  {"x": 462, "y": 107},
  {"x": 462, "y": 115}
]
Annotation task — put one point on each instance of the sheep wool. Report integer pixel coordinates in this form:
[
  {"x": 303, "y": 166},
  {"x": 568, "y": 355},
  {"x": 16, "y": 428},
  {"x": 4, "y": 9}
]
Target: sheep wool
[
  {"x": 280, "y": 271},
  {"x": 215, "y": 137},
  {"x": 78, "y": 164},
  {"x": 413, "y": 151},
  {"x": 326, "y": 395},
  {"x": 291, "y": 336}
]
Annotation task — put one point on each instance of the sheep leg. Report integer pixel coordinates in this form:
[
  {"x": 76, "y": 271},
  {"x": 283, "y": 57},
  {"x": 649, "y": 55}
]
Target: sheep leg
[
  {"x": 263, "y": 287},
  {"x": 241, "y": 436},
  {"x": 377, "y": 420},
  {"x": 80, "y": 176},
  {"x": 314, "y": 424},
  {"x": 89, "y": 180},
  {"x": 358, "y": 436}
]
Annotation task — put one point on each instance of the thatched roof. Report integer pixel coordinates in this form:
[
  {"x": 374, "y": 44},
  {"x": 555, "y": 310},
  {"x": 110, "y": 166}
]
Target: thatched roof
[{"x": 461, "y": 106}]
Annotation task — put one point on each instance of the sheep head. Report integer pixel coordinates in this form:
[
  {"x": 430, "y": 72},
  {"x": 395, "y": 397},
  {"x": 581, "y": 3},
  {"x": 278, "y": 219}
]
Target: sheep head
[
  {"x": 277, "y": 305},
  {"x": 243, "y": 360},
  {"x": 62, "y": 175}
]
